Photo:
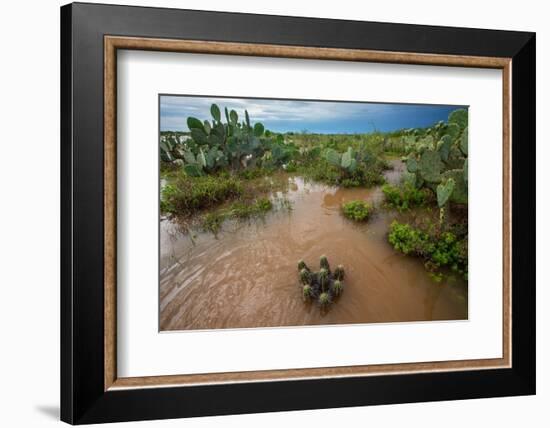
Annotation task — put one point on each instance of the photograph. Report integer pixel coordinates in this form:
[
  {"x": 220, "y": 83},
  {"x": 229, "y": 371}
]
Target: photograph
[
  {"x": 288, "y": 212},
  {"x": 262, "y": 211}
]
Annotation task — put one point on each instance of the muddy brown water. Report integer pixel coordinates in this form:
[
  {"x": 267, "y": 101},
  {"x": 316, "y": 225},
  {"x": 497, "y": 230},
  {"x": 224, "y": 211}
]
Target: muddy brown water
[{"x": 246, "y": 275}]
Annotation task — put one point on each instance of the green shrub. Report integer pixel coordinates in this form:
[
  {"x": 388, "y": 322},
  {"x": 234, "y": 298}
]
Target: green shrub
[
  {"x": 404, "y": 197},
  {"x": 437, "y": 249},
  {"x": 357, "y": 210},
  {"x": 167, "y": 195}
]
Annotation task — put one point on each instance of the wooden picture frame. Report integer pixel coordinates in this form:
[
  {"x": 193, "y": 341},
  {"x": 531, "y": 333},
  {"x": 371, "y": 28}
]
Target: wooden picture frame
[{"x": 91, "y": 390}]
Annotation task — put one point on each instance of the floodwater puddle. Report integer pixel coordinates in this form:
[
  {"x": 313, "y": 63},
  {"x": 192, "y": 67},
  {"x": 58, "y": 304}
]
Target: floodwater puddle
[{"x": 246, "y": 275}]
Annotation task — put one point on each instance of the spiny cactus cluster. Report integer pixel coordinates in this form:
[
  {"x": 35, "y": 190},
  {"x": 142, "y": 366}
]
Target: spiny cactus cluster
[
  {"x": 325, "y": 285},
  {"x": 439, "y": 161},
  {"x": 214, "y": 144}
]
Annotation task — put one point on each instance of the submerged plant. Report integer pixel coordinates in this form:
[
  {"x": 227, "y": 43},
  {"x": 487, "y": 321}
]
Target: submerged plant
[
  {"x": 305, "y": 276},
  {"x": 323, "y": 262},
  {"x": 323, "y": 278},
  {"x": 322, "y": 286},
  {"x": 337, "y": 287},
  {"x": 324, "y": 299},
  {"x": 307, "y": 292},
  {"x": 302, "y": 265},
  {"x": 339, "y": 273}
]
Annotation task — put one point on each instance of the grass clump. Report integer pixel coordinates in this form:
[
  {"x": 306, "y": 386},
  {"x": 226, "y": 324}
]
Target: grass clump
[
  {"x": 186, "y": 195},
  {"x": 240, "y": 210},
  {"x": 438, "y": 249},
  {"x": 404, "y": 197},
  {"x": 357, "y": 210},
  {"x": 243, "y": 210},
  {"x": 213, "y": 222},
  {"x": 253, "y": 173}
]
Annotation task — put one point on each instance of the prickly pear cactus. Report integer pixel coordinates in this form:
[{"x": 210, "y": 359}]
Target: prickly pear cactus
[
  {"x": 444, "y": 147},
  {"x": 464, "y": 142},
  {"x": 214, "y": 145},
  {"x": 444, "y": 191},
  {"x": 459, "y": 117},
  {"x": 430, "y": 166},
  {"x": 433, "y": 167},
  {"x": 459, "y": 194},
  {"x": 412, "y": 165}
]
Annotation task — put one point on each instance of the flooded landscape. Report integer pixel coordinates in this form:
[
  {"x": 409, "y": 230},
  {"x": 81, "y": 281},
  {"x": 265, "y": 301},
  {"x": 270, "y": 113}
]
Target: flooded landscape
[
  {"x": 267, "y": 224},
  {"x": 245, "y": 274}
]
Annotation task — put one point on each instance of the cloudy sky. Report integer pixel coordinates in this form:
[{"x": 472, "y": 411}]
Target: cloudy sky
[{"x": 313, "y": 116}]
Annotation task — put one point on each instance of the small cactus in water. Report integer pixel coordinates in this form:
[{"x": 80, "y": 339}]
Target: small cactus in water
[
  {"x": 323, "y": 262},
  {"x": 322, "y": 286},
  {"x": 323, "y": 279},
  {"x": 324, "y": 299},
  {"x": 305, "y": 276},
  {"x": 337, "y": 287},
  {"x": 302, "y": 265},
  {"x": 339, "y": 273}
]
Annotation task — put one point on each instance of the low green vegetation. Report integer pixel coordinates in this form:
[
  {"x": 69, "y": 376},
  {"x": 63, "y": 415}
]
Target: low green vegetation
[
  {"x": 438, "y": 249},
  {"x": 357, "y": 210},
  {"x": 244, "y": 210},
  {"x": 404, "y": 196},
  {"x": 185, "y": 195}
]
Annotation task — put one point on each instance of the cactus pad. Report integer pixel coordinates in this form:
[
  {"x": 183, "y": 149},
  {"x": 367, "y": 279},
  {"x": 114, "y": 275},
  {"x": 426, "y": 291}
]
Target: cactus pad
[
  {"x": 412, "y": 165},
  {"x": 430, "y": 166},
  {"x": 464, "y": 142},
  {"x": 459, "y": 117},
  {"x": 215, "y": 111},
  {"x": 460, "y": 191},
  {"x": 444, "y": 192}
]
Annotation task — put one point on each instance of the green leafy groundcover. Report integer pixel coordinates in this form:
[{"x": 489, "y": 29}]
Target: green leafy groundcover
[
  {"x": 357, "y": 210},
  {"x": 405, "y": 196},
  {"x": 438, "y": 249}
]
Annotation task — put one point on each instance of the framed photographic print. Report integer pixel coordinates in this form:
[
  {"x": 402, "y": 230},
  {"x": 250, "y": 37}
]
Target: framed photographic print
[{"x": 265, "y": 213}]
